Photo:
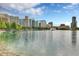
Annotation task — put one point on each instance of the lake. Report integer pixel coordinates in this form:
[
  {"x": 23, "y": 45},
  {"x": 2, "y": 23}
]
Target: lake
[{"x": 42, "y": 43}]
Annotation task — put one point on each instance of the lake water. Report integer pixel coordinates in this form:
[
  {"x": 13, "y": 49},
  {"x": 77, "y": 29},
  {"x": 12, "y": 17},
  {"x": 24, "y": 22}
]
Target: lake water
[{"x": 42, "y": 43}]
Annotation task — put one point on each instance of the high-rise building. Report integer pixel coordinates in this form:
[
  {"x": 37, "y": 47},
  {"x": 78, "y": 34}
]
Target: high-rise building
[
  {"x": 36, "y": 23},
  {"x": 50, "y": 24},
  {"x": 8, "y": 18},
  {"x": 4, "y": 17},
  {"x": 74, "y": 23},
  {"x": 26, "y": 21},
  {"x": 30, "y": 23},
  {"x": 21, "y": 22},
  {"x": 43, "y": 24},
  {"x": 33, "y": 23},
  {"x": 14, "y": 19}
]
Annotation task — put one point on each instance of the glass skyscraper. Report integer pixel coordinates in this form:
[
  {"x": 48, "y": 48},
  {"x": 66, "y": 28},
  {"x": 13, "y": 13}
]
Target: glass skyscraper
[{"x": 74, "y": 23}]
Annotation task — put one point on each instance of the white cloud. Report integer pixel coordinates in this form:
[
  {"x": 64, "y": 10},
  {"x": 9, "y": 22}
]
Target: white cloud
[
  {"x": 57, "y": 11},
  {"x": 24, "y": 7},
  {"x": 34, "y": 11},
  {"x": 19, "y": 6},
  {"x": 5, "y": 12},
  {"x": 71, "y": 9},
  {"x": 68, "y": 7},
  {"x": 71, "y": 6}
]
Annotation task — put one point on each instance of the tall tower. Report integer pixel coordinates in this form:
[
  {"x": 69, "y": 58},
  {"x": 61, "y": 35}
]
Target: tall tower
[
  {"x": 50, "y": 24},
  {"x": 16, "y": 19},
  {"x": 42, "y": 23},
  {"x": 33, "y": 23},
  {"x": 26, "y": 21},
  {"x": 74, "y": 23}
]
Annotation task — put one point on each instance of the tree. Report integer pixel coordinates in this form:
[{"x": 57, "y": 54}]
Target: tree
[
  {"x": 3, "y": 25},
  {"x": 13, "y": 25}
]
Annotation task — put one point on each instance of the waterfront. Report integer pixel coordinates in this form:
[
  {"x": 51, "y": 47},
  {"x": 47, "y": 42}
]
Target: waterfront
[{"x": 41, "y": 43}]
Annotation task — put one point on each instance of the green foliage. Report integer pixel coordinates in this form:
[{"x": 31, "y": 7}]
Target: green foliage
[
  {"x": 10, "y": 26},
  {"x": 3, "y": 25},
  {"x": 13, "y": 26},
  {"x": 18, "y": 27}
]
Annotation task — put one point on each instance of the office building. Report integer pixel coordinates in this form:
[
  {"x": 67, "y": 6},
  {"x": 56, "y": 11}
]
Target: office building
[
  {"x": 74, "y": 23},
  {"x": 33, "y": 23},
  {"x": 30, "y": 23},
  {"x": 50, "y": 24},
  {"x": 43, "y": 24},
  {"x": 63, "y": 27},
  {"x": 4, "y": 17},
  {"x": 14, "y": 19},
  {"x": 26, "y": 21},
  {"x": 36, "y": 23}
]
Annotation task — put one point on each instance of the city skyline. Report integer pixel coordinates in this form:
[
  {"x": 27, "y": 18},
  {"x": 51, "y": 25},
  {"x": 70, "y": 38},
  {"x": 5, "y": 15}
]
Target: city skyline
[{"x": 58, "y": 13}]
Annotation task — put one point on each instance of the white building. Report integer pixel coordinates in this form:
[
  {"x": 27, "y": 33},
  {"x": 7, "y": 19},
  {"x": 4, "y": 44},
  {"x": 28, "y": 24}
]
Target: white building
[
  {"x": 43, "y": 24},
  {"x": 4, "y": 17}
]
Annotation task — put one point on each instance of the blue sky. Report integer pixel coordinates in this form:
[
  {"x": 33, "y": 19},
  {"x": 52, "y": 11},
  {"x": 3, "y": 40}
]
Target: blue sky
[{"x": 56, "y": 12}]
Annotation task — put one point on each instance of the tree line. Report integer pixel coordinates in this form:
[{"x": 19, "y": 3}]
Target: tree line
[{"x": 9, "y": 26}]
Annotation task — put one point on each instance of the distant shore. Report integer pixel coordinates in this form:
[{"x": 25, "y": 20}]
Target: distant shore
[{"x": 38, "y": 30}]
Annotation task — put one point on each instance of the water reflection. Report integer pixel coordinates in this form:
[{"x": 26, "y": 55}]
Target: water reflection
[
  {"x": 74, "y": 39},
  {"x": 40, "y": 42},
  {"x": 8, "y": 37}
]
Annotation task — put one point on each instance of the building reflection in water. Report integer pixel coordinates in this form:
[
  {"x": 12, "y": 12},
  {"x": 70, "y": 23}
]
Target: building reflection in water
[{"x": 74, "y": 39}]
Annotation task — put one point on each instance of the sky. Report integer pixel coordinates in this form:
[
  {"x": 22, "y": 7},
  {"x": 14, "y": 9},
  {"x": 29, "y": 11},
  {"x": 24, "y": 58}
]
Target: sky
[{"x": 58, "y": 13}]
